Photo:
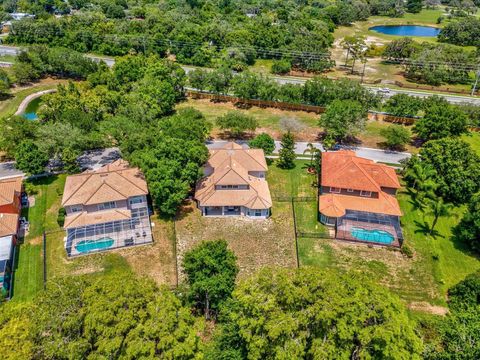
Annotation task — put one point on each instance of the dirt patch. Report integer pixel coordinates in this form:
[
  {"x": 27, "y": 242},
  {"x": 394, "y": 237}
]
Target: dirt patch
[
  {"x": 429, "y": 308},
  {"x": 36, "y": 240},
  {"x": 156, "y": 260},
  {"x": 87, "y": 270},
  {"x": 256, "y": 243}
]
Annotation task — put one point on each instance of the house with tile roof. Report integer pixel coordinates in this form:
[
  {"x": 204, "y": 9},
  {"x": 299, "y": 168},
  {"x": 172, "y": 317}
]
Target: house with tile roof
[
  {"x": 234, "y": 183},
  {"x": 357, "y": 198},
  {"x": 106, "y": 208},
  {"x": 10, "y": 209}
]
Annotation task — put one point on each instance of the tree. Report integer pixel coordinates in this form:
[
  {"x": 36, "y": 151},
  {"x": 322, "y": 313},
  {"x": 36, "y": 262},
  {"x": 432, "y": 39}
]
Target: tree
[
  {"x": 15, "y": 128},
  {"x": 29, "y": 158},
  {"x": 356, "y": 47},
  {"x": 70, "y": 160},
  {"x": 343, "y": 118},
  {"x": 437, "y": 208},
  {"x": 457, "y": 168},
  {"x": 287, "y": 155},
  {"x": 236, "y": 123},
  {"x": 198, "y": 79},
  {"x": 313, "y": 151},
  {"x": 281, "y": 67},
  {"x": 403, "y": 105},
  {"x": 211, "y": 270},
  {"x": 80, "y": 317},
  {"x": 4, "y": 83},
  {"x": 414, "y": 6},
  {"x": 441, "y": 122},
  {"x": 188, "y": 124},
  {"x": 306, "y": 313},
  {"x": 468, "y": 230},
  {"x": 397, "y": 136},
  {"x": 466, "y": 293},
  {"x": 15, "y": 323},
  {"x": 263, "y": 141}
]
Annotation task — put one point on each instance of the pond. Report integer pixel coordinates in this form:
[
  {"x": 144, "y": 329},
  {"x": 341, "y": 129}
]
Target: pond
[
  {"x": 407, "y": 30},
  {"x": 31, "y": 109}
]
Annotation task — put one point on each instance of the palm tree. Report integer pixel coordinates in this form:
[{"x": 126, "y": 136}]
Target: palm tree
[
  {"x": 311, "y": 149},
  {"x": 437, "y": 208}
]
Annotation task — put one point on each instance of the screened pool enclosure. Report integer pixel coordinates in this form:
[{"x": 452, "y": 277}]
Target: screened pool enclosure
[{"x": 109, "y": 235}]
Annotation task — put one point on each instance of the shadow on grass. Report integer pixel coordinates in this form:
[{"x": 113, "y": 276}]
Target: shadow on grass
[{"x": 425, "y": 229}]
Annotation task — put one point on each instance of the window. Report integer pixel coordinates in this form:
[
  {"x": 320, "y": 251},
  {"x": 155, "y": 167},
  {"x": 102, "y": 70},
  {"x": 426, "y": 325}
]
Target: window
[
  {"x": 76, "y": 208},
  {"x": 107, "y": 205},
  {"x": 136, "y": 200},
  {"x": 349, "y": 190},
  {"x": 335, "y": 190},
  {"x": 229, "y": 187},
  {"x": 366, "y": 193}
]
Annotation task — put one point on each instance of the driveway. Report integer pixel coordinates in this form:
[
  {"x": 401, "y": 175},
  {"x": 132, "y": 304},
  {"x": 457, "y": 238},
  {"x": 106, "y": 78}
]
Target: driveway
[{"x": 7, "y": 170}]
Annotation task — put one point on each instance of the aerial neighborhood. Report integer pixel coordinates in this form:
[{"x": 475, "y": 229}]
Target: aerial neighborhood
[{"x": 241, "y": 180}]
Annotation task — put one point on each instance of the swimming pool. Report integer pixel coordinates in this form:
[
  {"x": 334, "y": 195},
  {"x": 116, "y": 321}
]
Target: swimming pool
[
  {"x": 407, "y": 30},
  {"x": 375, "y": 236},
  {"x": 86, "y": 246}
]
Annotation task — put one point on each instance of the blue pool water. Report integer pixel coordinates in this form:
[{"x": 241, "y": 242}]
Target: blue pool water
[
  {"x": 375, "y": 236},
  {"x": 86, "y": 246},
  {"x": 407, "y": 30},
  {"x": 30, "y": 116}
]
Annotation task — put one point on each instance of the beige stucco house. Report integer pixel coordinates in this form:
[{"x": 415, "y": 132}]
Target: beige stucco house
[
  {"x": 234, "y": 183},
  {"x": 105, "y": 209}
]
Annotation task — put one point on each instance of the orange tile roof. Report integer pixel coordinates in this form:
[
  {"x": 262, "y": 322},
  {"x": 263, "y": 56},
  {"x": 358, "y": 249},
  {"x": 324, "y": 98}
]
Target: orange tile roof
[
  {"x": 9, "y": 188},
  {"x": 8, "y": 224},
  {"x": 113, "y": 182},
  {"x": 343, "y": 169},
  {"x": 231, "y": 165},
  {"x": 84, "y": 218},
  {"x": 335, "y": 205}
]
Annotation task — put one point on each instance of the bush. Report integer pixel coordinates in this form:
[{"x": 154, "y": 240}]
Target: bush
[
  {"x": 407, "y": 251},
  {"x": 281, "y": 67},
  {"x": 61, "y": 216},
  {"x": 396, "y": 136},
  {"x": 236, "y": 123},
  {"x": 264, "y": 142}
]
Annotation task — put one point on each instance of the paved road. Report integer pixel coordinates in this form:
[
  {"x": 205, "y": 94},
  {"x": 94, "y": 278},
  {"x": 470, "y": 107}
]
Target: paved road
[
  {"x": 391, "y": 157},
  {"x": 90, "y": 160},
  {"x": 454, "y": 99}
]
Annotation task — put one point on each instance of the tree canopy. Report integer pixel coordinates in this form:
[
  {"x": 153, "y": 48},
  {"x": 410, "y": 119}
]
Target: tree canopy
[{"x": 310, "y": 314}]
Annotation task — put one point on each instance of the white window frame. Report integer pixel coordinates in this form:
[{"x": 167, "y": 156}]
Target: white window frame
[
  {"x": 110, "y": 205},
  {"x": 365, "y": 193},
  {"x": 335, "y": 190},
  {"x": 135, "y": 200},
  {"x": 76, "y": 208},
  {"x": 350, "y": 190}
]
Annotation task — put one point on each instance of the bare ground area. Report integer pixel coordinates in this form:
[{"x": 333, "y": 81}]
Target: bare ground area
[{"x": 256, "y": 243}]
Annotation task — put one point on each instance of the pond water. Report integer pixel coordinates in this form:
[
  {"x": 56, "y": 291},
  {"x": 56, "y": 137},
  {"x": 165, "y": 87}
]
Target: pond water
[
  {"x": 31, "y": 109},
  {"x": 407, "y": 30}
]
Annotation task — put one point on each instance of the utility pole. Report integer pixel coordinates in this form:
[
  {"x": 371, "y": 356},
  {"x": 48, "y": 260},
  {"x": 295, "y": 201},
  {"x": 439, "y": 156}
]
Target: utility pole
[{"x": 477, "y": 77}]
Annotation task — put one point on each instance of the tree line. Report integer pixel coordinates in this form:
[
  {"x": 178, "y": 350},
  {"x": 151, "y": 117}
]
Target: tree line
[{"x": 272, "y": 314}]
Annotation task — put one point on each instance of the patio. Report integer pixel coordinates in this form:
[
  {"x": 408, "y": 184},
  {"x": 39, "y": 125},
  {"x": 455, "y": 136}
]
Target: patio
[{"x": 107, "y": 236}]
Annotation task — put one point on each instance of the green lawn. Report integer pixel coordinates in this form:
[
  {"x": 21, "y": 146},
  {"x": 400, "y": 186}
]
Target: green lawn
[
  {"x": 9, "y": 106},
  {"x": 474, "y": 140},
  {"x": 437, "y": 264},
  {"x": 156, "y": 260}
]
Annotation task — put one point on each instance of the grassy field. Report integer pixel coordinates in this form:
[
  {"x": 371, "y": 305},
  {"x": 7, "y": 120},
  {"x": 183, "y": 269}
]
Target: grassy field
[
  {"x": 422, "y": 281},
  {"x": 474, "y": 140},
  {"x": 156, "y": 261},
  {"x": 269, "y": 121},
  {"x": 9, "y": 105}
]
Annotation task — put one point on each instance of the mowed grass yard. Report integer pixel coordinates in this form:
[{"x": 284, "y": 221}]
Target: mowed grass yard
[
  {"x": 422, "y": 281},
  {"x": 156, "y": 261}
]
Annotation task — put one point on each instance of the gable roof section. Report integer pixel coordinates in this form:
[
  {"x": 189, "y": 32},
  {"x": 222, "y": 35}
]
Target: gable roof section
[
  {"x": 9, "y": 188},
  {"x": 112, "y": 182},
  {"x": 231, "y": 166},
  {"x": 8, "y": 224},
  {"x": 84, "y": 218},
  {"x": 343, "y": 169}
]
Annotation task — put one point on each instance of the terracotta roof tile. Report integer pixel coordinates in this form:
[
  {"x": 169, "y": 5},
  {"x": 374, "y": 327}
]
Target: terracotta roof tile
[
  {"x": 335, "y": 205},
  {"x": 84, "y": 218},
  {"x": 231, "y": 166},
  {"x": 9, "y": 188},
  {"x": 8, "y": 224},
  {"x": 113, "y": 182}
]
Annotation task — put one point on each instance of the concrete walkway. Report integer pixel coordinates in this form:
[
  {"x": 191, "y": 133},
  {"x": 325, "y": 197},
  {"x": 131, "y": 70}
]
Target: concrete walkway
[{"x": 29, "y": 98}]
